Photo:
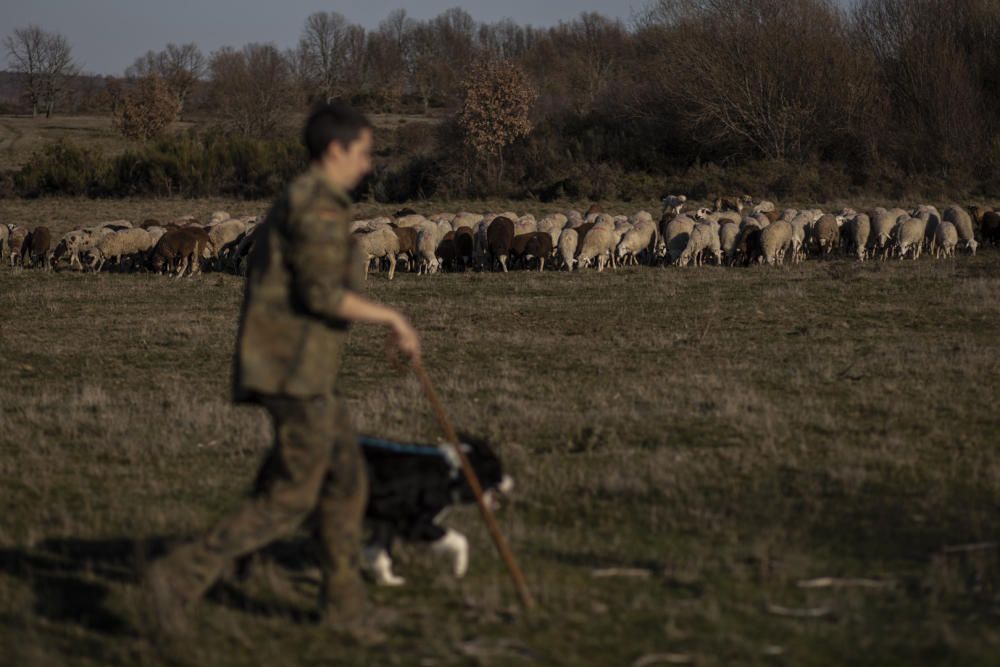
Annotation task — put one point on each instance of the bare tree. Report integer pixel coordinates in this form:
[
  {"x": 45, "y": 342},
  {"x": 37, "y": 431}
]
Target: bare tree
[
  {"x": 45, "y": 62},
  {"x": 323, "y": 50},
  {"x": 252, "y": 88},
  {"x": 180, "y": 68},
  {"x": 496, "y": 109},
  {"x": 737, "y": 87}
]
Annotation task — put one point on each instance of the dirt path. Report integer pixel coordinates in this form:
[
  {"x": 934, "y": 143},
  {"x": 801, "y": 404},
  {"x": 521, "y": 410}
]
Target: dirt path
[{"x": 9, "y": 137}]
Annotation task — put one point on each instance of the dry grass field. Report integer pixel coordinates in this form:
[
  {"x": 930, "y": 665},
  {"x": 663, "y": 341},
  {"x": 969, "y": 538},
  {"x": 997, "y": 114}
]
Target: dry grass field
[{"x": 725, "y": 438}]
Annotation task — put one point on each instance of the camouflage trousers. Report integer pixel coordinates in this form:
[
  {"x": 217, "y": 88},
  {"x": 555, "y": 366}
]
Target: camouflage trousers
[{"x": 314, "y": 473}]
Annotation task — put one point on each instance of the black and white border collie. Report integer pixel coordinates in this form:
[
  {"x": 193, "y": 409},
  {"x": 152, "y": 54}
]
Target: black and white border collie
[{"x": 410, "y": 487}]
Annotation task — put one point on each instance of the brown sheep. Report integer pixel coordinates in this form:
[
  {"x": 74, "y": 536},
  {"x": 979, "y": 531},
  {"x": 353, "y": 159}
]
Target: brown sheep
[
  {"x": 594, "y": 208},
  {"x": 446, "y": 251},
  {"x": 179, "y": 250},
  {"x": 499, "y": 238},
  {"x": 538, "y": 246},
  {"x": 407, "y": 244},
  {"x": 465, "y": 243},
  {"x": 36, "y": 247},
  {"x": 990, "y": 227},
  {"x": 748, "y": 246}
]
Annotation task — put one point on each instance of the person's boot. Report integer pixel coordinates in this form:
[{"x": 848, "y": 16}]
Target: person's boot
[{"x": 344, "y": 608}]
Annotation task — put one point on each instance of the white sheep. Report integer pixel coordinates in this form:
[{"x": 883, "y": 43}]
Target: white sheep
[
  {"x": 427, "y": 242},
  {"x": 224, "y": 233},
  {"x": 910, "y": 237},
  {"x": 958, "y": 216},
  {"x": 880, "y": 238},
  {"x": 599, "y": 244},
  {"x": 553, "y": 226},
  {"x": 219, "y": 216},
  {"x": 858, "y": 232},
  {"x": 945, "y": 239},
  {"x": 676, "y": 235},
  {"x": 568, "y": 239},
  {"x": 118, "y": 244},
  {"x": 703, "y": 239},
  {"x": 775, "y": 240},
  {"x": 381, "y": 243},
  {"x": 729, "y": 234},
  {"x": 635, "y": 241}
]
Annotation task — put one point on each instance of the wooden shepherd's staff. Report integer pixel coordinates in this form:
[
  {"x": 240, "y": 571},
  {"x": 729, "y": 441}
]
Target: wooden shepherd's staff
[{"x": 477, "y": 489}]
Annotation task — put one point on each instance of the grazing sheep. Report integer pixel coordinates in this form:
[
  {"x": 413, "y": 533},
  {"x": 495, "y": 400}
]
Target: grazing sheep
[
  {"x": 910, "y": 237},
  {"x": 990, "y": 227},
  {"x": 499, "y": 238},
  {"x": 567, "y": 247},
  {"x": 67, "y": 246},
  {"x": 123, "y": 243},
  {"x": 858, "y": 231},
  {"x": 775, "y": 240},
  {"x": 407, "y": 237},
  {"x": 538, "y": 246},
  {"x": 826, "y": 234},
  {"x": 880, "y": 240},
  {"x": 225, "y": 232},
  {"x": 676, "y": 236},
  {"x": 748, "y": 245},
  {"x": 446, "y": 252},
  {"x": 703, "y": 239},
  {"x": 957, "y": 216},
  {"x": 427, "y": 245},
  {"x": 553, "y": 226},
  {"x": 379, "y": 244},
  {"x": 177, "y": 250},
  {"x": 465, "y": 246},
  {"x": 945, "y": 240},
  {"x": 219, "y": 216},
  {"x": 412, "y": 220},
  {"x": 36, "y": 247},
  {"x": 729, "y": 233},
  {"x": 599, "y": 244},
  {"x": 635, "y": 242},
  {"x": 929, "y": 215}
]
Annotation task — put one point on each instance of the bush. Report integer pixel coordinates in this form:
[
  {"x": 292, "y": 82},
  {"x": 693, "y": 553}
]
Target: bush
[{"x": 189, "y": 166}]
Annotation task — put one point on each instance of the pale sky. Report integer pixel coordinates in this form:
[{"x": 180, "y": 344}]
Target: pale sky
[{"x": 107, "y": 35}]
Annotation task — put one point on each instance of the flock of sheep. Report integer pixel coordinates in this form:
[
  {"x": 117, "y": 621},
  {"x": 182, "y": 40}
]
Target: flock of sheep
[
  {"x": 182, "y": 246},
  {"x": 735, "y": 231}
]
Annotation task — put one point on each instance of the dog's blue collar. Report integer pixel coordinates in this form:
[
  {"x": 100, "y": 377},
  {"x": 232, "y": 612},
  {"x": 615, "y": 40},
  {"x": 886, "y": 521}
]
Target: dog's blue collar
[
  {"x": 450, "y": 457},
  {"x": 402, "y": 448}
]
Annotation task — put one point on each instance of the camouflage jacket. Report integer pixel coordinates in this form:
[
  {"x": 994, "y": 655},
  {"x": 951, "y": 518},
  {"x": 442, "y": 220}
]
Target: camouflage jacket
[{"x": 290, "y": 340}]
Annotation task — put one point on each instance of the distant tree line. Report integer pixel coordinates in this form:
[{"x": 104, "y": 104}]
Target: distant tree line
[{"x": 776, "y": 96}]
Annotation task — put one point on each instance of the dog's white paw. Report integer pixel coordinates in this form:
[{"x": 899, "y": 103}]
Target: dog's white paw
[
  {"x": 379, "y": 563},
  {"x": 455, "y": 546}
]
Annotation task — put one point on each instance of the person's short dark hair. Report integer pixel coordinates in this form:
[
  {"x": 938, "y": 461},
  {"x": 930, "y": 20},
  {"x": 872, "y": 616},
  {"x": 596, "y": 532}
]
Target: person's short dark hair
[{"x": 330, "y": 122}]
